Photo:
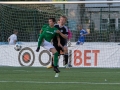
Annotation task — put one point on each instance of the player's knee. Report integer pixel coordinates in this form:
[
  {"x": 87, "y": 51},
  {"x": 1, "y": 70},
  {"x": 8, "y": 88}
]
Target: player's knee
[
  {"x": 56, "y": 53},
  {"x": 66, "y": 51},
  {"x": 65, "y": 48}
]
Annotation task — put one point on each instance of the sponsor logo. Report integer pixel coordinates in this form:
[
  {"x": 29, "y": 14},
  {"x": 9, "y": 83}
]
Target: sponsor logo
[
  {"x": 49, "y": 32},
  {"x": 26, "y": 57}
]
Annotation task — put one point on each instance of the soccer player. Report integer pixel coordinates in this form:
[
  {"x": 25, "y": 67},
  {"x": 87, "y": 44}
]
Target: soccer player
[
  {"x": 13, "y": 38},
  {"x": 63, "y": 34},
  {"x": 48, "y": 33},
  {"x": 81, "y": 38},
  {"x": 58, "y": 21}
]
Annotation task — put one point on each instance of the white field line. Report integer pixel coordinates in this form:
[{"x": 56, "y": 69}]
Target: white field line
[
  {"x": 37, "y": 82},
  {"x": 51, "y": 71}
]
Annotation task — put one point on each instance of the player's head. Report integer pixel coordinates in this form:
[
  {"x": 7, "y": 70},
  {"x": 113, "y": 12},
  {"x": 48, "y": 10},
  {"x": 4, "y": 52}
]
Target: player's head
[
  {"x": 80, "y": 27},
  {"x": 15, "y": 32},
  {"x": 51, "y": 21},
  {"x": 63, "y": 20},
  {"x": 58, "y": 22}
]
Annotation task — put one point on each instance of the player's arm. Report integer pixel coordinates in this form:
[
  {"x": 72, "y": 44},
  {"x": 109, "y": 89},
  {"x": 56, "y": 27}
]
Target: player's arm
[
  {"x": 85, "y": 33},
  {"x": 41, "y": 37},
  {"x": 40, "y": 40},
  {"x": 58, "y": 38},
  {"x": 15, "y": 41},
  {"x": 41, "y": 31},
  {"x": 65, "y": 36},
  {"x": 59, "y": 44},
  {"x": 9, "y": 39}
]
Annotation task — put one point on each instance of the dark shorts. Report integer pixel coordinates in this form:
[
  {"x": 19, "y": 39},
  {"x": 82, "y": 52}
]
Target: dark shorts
[{"x": 59, "y": 49}]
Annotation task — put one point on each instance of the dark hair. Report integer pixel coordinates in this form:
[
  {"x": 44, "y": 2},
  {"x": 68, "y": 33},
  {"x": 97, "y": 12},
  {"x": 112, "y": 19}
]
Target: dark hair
[
  {"x": 53, "y": 19},
  {"x": 80, "y": 25},
  {"x": 15, "y": 31}
]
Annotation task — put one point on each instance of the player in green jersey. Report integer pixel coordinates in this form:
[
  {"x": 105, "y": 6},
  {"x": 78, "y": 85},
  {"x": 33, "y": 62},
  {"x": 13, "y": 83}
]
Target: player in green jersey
[{"x": 45, "y": 38}]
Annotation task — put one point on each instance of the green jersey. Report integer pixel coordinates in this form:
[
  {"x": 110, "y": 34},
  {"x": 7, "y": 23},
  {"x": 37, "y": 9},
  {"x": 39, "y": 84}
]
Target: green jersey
[
  {"x": 44, "y": 26},
  {"x": 48, "y": 34}
]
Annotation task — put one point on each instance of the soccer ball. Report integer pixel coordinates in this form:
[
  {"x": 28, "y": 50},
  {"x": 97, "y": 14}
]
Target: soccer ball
[{"x": 17, "y": 47}]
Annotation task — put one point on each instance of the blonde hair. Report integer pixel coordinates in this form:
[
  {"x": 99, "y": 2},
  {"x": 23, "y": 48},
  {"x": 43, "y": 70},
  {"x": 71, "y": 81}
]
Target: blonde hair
[{"x": 64, "y": 17}]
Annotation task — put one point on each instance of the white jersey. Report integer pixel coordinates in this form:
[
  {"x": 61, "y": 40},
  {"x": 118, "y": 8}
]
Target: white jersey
[{"x": 12, "y": 38}]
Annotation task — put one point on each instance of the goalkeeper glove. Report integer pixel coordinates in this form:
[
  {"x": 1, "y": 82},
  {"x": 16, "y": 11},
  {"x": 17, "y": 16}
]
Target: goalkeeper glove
[{"x": 38, "y": 48}]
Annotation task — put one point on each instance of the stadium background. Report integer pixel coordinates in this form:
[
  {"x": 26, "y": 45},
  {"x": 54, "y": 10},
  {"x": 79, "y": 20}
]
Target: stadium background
[
  {"x": 101, "y": 20},
  {"x": 96, "y": 64}
]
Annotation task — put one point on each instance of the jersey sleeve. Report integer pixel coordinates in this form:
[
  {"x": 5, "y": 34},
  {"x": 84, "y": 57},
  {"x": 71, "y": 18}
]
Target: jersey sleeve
[
  {"x": 66, "y": 31},
  {"x": 55, "y": 31},
  {"x": 40, "y": 39},
  {"x": 44, "y": 26},
  {"x": 56, "y": 25}
]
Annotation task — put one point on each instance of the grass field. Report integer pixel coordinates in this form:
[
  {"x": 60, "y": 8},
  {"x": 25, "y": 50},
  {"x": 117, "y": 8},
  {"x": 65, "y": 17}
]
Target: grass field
[{"x": 34, "y": 78}]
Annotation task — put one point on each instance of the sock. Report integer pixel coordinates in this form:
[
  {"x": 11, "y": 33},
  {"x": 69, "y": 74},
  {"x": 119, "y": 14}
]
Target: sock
[
  {"x": 56, "y": 59},
  {"x": 66, "y": 58}
]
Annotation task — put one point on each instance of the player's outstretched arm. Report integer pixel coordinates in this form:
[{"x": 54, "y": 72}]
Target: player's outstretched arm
[
  {"x": 86, "y": 33},
  {"x": 40, "y": 40},
  {"x": 41, "y": 31}
]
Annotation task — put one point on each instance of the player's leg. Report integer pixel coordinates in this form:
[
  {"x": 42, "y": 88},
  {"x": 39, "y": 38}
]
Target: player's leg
[
  {"x": 78, "y": 43},
  {"x": 66, "y": 56},
  {"x": 58, "y": 50},
  {"x": 82, "y": 41},
  {"x": 55, "y": 53},
  {"x": 55, "y": 56},
  {"x": 47, "y": 45},
  {"x": 51, "y": 48},
  {"x": 69, "y": 43},
  {"x": 51, "y": 65},
  {"x": 52, "y": 62}
]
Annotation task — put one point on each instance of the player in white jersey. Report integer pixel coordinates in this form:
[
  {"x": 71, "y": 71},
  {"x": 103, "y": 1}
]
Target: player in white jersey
[{"x": 13, "y": 38}]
